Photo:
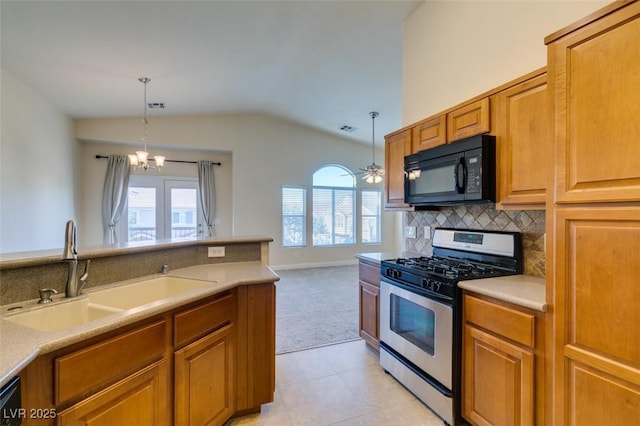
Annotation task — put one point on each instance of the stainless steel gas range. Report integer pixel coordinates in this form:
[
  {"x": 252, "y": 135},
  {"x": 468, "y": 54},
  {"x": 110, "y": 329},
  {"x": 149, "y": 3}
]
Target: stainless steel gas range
[{"x": 421, "y": 311}]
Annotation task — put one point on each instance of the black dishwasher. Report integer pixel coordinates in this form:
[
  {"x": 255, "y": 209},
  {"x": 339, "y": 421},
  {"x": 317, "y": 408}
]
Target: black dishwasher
[{"x": 11, "y": 412}]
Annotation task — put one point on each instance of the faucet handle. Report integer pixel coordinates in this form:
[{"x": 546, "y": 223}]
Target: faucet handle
[
  {"x": 85, "y": 275},
  {"x": 45, "y": 295}
]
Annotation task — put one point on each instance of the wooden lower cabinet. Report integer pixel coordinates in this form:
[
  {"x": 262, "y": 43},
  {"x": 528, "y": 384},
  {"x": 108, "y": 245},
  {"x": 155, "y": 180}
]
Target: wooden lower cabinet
[
  {"x": 140, "y": 399},
  {"x": 223, "y": 351},
  {"x": 499, "y": 378},
  {"x": 210, "y": 360},
  {"x": 369, "y": 314},
  {"x": 503, "y": 356},
  {"x": 369, "y": 289}
]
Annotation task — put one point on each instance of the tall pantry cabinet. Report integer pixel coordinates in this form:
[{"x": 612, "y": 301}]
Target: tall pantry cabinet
[{"x": 593, "y": 218}]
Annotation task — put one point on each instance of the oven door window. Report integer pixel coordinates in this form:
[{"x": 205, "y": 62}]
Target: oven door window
[{"x": 413, "y": 322}]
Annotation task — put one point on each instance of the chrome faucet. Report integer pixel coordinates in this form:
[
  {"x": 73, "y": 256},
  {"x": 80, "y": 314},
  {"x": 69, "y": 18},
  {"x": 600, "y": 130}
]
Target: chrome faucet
[{"x": 70, "y": 255}]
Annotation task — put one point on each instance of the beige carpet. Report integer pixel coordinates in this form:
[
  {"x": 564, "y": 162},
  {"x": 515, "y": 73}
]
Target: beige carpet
[{"x": 316, "y": 307}]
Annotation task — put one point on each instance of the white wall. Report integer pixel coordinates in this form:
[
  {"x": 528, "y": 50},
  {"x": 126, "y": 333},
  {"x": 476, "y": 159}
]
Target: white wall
[
  {"x": 38, "y": 170},
  {"x": 267, "y": 153},
  {"x": 455, "y": 50}
]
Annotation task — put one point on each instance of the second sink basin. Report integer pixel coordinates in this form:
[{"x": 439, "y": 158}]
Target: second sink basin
[
  {"x": 62, "y": 315},
  {"x": 137, "y": 294}
]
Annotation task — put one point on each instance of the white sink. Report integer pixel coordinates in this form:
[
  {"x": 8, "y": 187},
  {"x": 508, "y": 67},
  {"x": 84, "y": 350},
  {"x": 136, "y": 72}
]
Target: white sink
[
  {"x": 59, "y": 316},
  {"x": 100, "y": 303},
  {"x": 140, "y": 293}
]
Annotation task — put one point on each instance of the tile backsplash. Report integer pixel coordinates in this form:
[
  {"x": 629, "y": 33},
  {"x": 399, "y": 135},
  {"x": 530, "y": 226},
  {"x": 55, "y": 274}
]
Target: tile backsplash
[{"x": 531, "y": 223}]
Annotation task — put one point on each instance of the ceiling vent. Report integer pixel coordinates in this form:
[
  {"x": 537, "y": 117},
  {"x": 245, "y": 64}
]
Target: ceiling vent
[{"x": 349, "y": 129}]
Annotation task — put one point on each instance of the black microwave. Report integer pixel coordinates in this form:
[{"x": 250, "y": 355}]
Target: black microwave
[{"x": 462, "y": 172}]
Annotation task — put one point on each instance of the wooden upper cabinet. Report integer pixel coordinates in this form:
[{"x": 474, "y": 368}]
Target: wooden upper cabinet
[
  {"x": 594, "y": 75},
  {"x": 524, "y": 133},
  {"x": 429, "y": 133},
  {"x": 469, "y": 120},
  {"x": 397, "y": 146}
]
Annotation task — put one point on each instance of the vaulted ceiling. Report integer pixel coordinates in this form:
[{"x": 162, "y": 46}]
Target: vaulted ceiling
[{"x": 324, "y": 64}]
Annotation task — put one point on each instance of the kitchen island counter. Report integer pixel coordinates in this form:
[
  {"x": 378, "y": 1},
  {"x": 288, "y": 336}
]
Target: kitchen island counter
[{"x": 21, "y": 345}]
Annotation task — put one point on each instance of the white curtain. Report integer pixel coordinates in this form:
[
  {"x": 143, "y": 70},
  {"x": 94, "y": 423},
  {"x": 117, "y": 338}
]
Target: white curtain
[
  {"x": 114, "y": 197},
  {"x": 207, "y": 195}
]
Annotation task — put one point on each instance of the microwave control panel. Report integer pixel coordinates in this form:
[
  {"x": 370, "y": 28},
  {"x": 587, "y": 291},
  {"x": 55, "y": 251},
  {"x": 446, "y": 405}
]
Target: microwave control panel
[{"x": 474, "y": 173}]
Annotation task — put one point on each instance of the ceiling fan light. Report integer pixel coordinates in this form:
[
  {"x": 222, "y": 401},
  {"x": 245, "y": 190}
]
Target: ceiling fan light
[{"x": 374, "y": 172}]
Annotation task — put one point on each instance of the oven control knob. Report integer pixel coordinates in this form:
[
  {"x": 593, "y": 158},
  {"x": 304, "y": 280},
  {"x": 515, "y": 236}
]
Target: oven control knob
[
  {"x": 426, "y": 283},
  {"x": 396, "y": 273},
  {"x": 436, "y": 286}
]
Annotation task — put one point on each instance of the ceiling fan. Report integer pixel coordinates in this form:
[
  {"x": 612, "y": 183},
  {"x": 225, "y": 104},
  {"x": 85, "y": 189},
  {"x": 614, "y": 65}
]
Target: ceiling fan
[{"x": 374, "y": 172}]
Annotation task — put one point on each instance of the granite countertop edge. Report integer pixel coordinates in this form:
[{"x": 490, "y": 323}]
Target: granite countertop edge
[
  {"x": 21, "y": 345},
  {"x": 523, "y": 290}
]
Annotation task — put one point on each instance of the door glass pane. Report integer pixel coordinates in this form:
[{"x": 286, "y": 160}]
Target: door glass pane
[
  {"x": 413, "y": 322},
  {"x": 141, "y": 215},
  {"x": 183, "y": 212}
]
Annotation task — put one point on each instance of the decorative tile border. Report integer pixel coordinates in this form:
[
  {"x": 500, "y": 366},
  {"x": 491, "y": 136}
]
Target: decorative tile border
[{"x": 531, "y": 223}]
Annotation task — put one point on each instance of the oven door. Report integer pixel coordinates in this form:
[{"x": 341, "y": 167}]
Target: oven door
[{"x": 419, "y": 329}]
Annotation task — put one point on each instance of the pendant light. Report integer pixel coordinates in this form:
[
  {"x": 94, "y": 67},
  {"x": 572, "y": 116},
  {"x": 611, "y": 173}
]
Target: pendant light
[
  {"x": 373, "y": 173},
  {"x": 140, "y": 160}
]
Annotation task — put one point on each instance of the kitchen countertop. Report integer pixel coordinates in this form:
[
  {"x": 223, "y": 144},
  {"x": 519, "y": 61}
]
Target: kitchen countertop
[
  {"x": 380, "y": 256},
  {"x": 523, "y": 290},
  {"x": 21, "y": 345}
]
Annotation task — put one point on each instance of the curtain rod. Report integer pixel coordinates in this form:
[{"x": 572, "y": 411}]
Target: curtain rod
[{"x": 169, "y": 161}]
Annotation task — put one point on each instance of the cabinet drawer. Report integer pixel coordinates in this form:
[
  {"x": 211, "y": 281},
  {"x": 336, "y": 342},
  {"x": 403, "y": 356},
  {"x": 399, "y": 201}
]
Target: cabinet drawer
[
  {"x": 370, "y": 273},
  {"x": 108, "y": 361},
  {"x": 512, "y": 324},
  {"x": 198, "y": 321}
]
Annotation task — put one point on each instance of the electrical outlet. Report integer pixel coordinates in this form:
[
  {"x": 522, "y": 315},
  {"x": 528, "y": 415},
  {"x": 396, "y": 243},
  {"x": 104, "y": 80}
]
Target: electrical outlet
[
  {"x": 410, "y": 231},
  {"x": 427, "y": 232},
  {"x": 215, "y": 252}
]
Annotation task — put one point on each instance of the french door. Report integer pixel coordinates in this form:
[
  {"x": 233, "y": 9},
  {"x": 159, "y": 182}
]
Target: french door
[{"x": 160, "y": 208}]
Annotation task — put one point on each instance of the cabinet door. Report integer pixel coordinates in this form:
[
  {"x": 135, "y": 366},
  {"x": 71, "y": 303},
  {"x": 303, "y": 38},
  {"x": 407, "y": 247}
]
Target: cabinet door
[
  {"x": 397, "y": 146},
  {"x": 469, "y": 120},
  {"x": 140, "y": 399},
  {"x": 594, "y": 74},
  {"x": 597, "y": 358},
  {"x": 429, "y": 134},
  {"x": 370, "y": 314},
  {"x": 205, "y": 379},
  {"x": 498, "y": 386},
  {"x": 524, "y": 136}
]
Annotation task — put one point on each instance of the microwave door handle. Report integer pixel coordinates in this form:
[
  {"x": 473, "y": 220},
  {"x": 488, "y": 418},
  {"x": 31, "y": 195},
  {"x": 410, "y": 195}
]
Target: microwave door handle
[{"x": 461, "y": 176}]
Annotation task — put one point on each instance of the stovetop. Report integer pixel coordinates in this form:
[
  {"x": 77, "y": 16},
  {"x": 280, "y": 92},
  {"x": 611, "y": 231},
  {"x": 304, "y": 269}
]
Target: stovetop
[
  {"x": 449, "y": 268},
  {"x": 457, "y": 255}
]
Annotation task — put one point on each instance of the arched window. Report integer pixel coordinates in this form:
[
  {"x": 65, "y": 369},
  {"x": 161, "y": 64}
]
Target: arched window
[{"x": 334, "y": 206}]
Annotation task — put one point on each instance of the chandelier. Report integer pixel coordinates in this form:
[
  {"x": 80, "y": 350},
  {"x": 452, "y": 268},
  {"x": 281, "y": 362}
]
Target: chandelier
[
  {"x": 374, "y": 172},
  {"x": 140, "y": 160}
]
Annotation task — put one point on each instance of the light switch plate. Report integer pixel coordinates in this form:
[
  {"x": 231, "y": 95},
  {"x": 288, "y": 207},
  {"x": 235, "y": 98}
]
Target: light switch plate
[
  {"x": 410, "y": 232},
  {"x": 427, "y": 232},
  {"x": 215, "y": 252}
]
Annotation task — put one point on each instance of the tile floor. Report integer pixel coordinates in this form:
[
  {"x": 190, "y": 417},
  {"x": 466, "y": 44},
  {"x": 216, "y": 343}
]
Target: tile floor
[{"x": 338, "y": 385}]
